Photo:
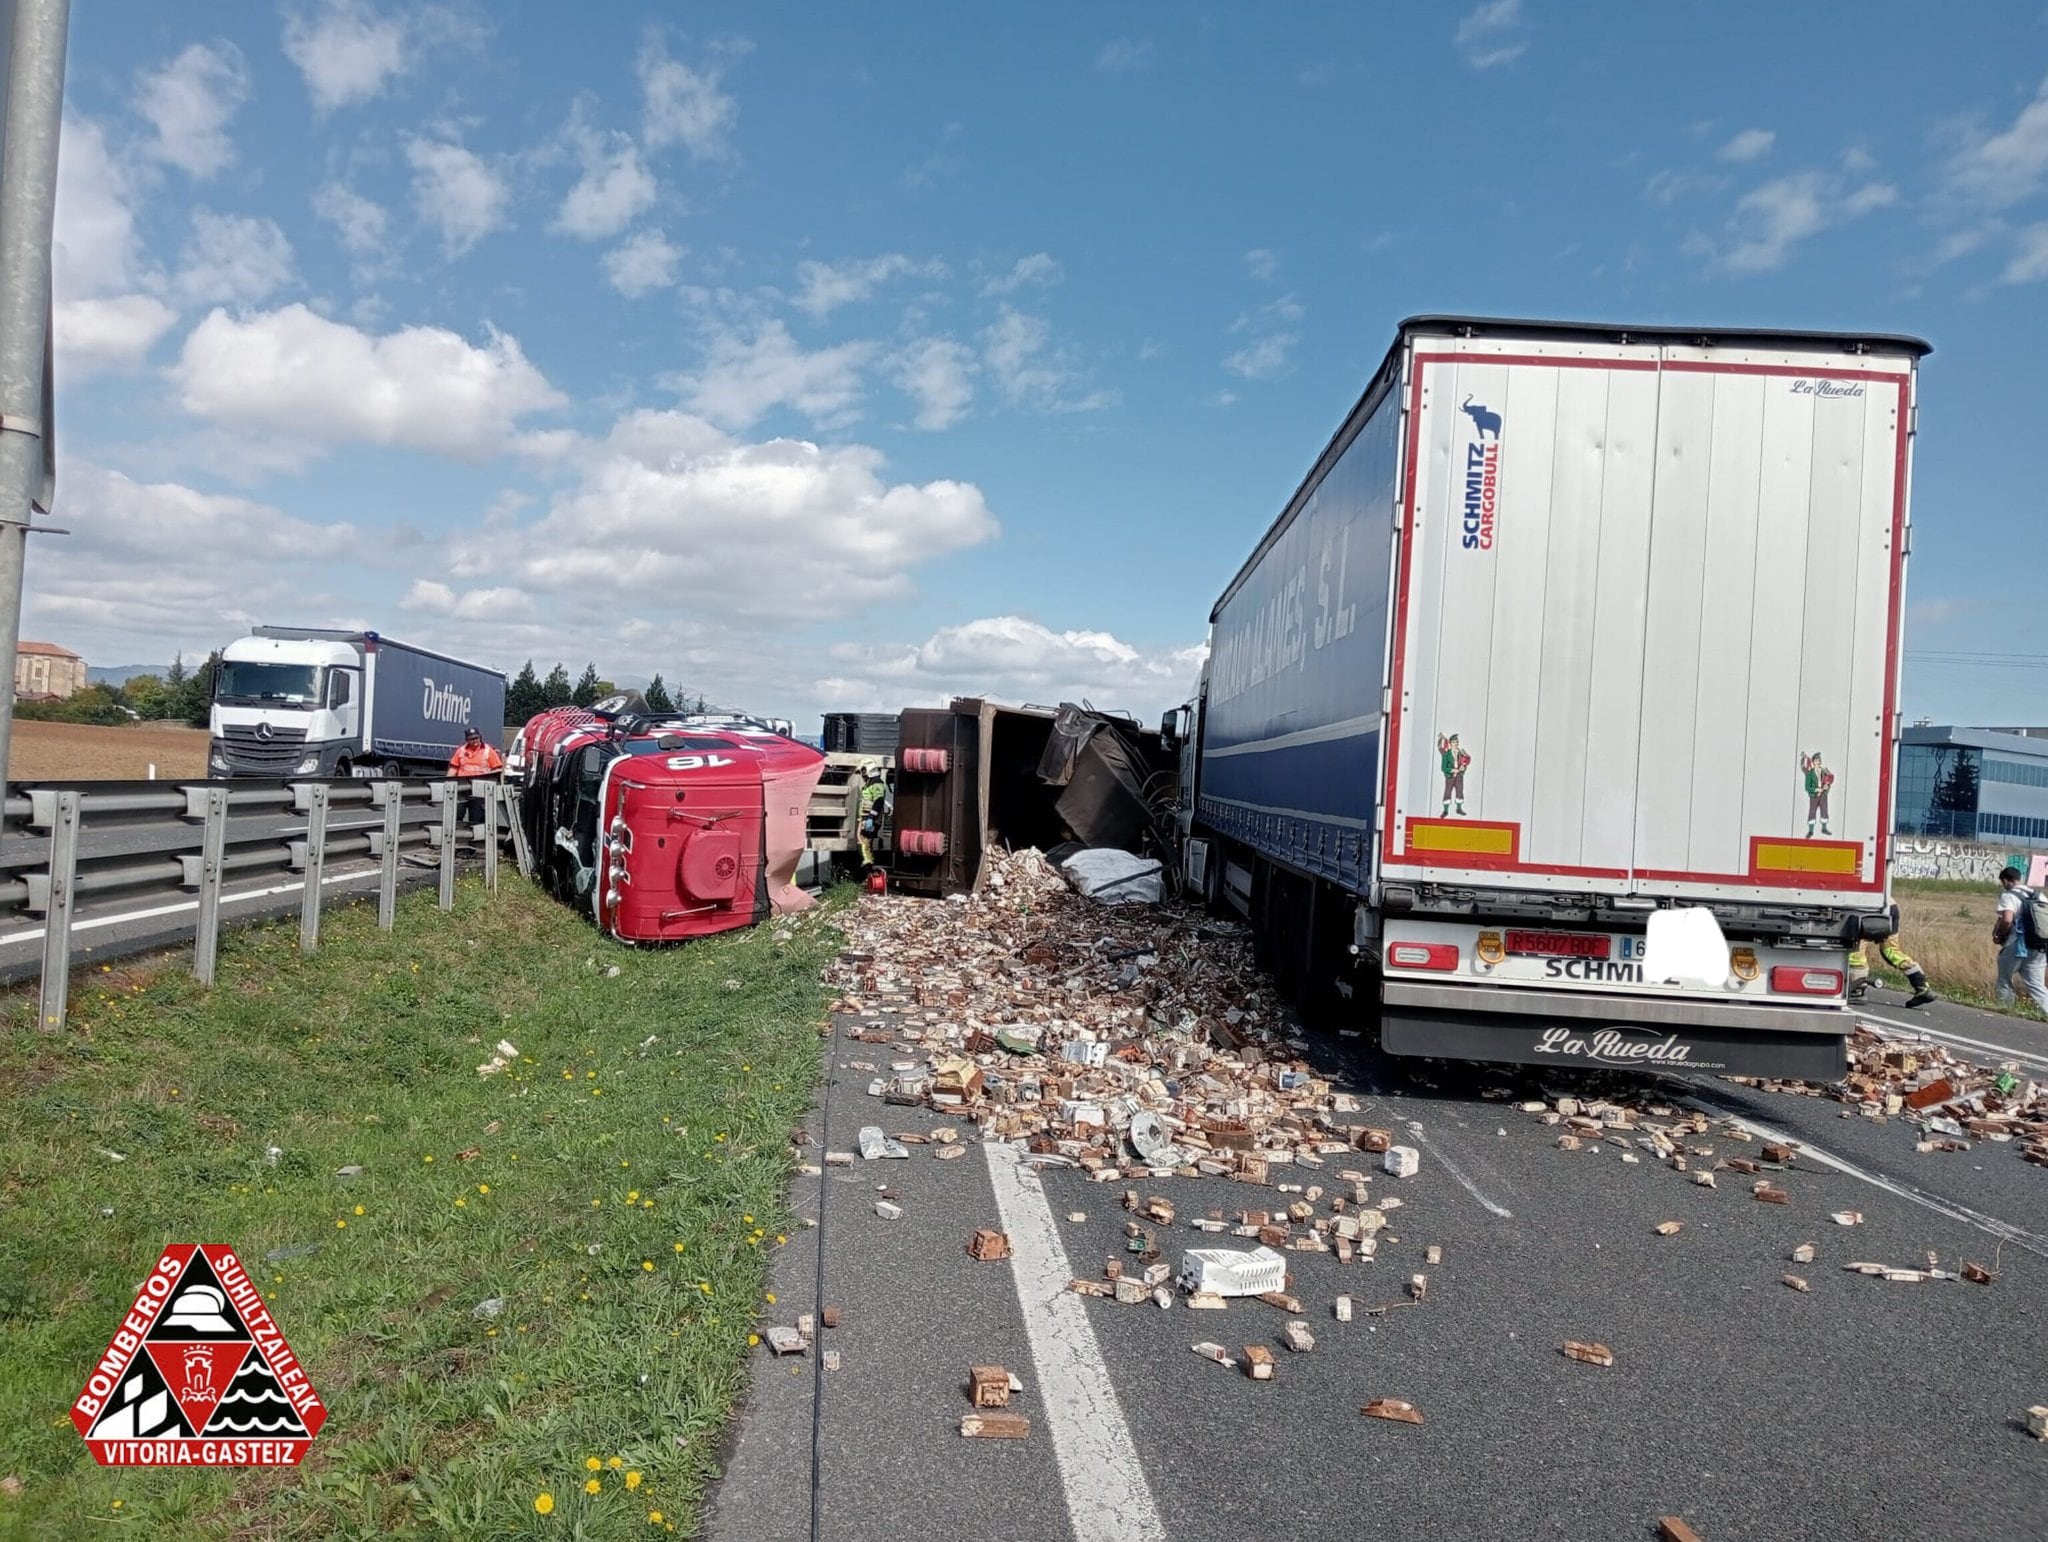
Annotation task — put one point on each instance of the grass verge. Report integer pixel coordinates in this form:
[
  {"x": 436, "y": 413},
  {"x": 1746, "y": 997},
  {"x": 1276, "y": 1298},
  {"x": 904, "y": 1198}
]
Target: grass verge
[{"x": 617, "y": 1188}]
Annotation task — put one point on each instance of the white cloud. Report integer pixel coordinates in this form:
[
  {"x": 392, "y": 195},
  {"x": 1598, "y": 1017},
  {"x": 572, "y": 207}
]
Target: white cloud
[
  {"x": 1261, "y": 264},
  {"x": 1121, "y": 55},
  {"x": 824, "y": 286},
  {"x": 673, "y": 513},
  {"x": 234, "y": 257},
  {"x": 456, "y": 192},
  {"x": 347, "y": 50},
  {"x": 95, "y": 248},
  {"x": 1667, "y": 187},
  {"x": 642, "y": 263},
  {"x": 314, "y": 384},
  {"x": 1029, "y": 371},
  {"x": 498, "y": 603},
  {"x": 684, "y": 106},
  {"x": 742, "y": 379},
  {"x": 613, "y": 191},
  {"x": 1040, "y": 270},
  {"x": 1752, "y": 144},
  {"x": 1773, "y": 219},
  {"x": 1270, "y": 329},
  {"x": 364, "y": 227},
  {"x": 1263, "y": 357},
  {"x": 938, "y": 374},
  {"x": 1491, "y": 34},
  {"x": 152, "y": 565},
  {"x": 111, "y": 334},
  {"x": 2029, "y": 264},
  {"x": 188, "y": 104},
  {"x": 1013, "y": 658},
  {"x": 1999, "y": 170}
]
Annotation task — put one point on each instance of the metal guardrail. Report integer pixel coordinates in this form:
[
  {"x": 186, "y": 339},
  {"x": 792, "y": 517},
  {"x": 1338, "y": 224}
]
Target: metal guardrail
[{"x": 64, "y": 843}]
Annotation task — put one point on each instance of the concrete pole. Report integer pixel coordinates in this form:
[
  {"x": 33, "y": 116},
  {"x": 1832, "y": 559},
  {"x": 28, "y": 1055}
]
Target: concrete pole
[{"x": 28, "y": 203}]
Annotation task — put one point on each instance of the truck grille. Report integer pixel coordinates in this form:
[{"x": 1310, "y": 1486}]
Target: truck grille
[{"x": 280, "y": 752}]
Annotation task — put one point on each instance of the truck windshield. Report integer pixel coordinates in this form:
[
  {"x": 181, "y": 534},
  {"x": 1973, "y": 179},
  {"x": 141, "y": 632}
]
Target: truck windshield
[{"x": 245, "y": 681}]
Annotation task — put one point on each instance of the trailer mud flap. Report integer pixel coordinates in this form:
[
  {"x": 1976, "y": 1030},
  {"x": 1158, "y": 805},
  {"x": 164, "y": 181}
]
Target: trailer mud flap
[{"x": 1684, "y": 1048}]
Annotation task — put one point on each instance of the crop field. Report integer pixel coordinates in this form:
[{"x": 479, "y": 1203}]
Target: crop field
[{"x": 46, "y": 752}]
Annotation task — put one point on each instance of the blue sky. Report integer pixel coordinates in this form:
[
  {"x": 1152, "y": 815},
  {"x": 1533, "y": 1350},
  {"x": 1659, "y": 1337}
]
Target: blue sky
[{"x": 856, "y": 355}]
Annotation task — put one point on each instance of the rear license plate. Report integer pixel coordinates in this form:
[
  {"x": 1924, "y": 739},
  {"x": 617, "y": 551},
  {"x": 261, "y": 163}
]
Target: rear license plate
[{"x": 1560, "y": 944}]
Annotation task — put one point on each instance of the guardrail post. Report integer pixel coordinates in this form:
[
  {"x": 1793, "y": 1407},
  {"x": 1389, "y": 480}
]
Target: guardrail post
[
  {"x": 521, "y": 855},
  {"x": 393, "y": 796},
  {"x": 57, "y": 918},
  {"x": 494, "y": 797},
  {"x": 450, "y": 796},
  {"x": 212, "y": 868},
  {"x": 316, "y": 866}
]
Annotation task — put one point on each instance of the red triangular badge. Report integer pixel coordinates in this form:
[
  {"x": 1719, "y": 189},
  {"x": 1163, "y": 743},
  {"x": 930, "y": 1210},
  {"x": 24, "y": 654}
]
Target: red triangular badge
[{"x": 198, "y": 1375}]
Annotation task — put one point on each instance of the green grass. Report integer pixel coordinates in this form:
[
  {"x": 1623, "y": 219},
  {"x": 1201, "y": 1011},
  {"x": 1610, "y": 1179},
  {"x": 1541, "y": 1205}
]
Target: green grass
[{"x": 619, "y": 1187}]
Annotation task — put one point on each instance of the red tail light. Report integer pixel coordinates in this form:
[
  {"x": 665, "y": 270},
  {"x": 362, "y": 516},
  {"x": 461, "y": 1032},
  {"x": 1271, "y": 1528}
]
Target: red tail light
[
  {"x": 1422, "y": 955},
  {"x": 1797, "y": 980}
]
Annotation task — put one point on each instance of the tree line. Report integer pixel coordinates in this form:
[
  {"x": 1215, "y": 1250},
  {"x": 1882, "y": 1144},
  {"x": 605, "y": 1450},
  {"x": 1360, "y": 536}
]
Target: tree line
[{"x": 528, "y": 693}]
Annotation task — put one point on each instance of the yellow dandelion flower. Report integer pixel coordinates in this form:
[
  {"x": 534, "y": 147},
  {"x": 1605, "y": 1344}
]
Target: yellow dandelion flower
[
  {"x": 597, "y": 1092},
  {"x": 705, "y": 1286},
  {"x": 483, "y": 1188},
  {"x": 678, "y": 1247},
  {"x": 624, "y": 1163},
  {"x": 748, "y": 1219},
  {"x": 596, "y": 1203},
  {"x": 461, "y": 1203},
  {"x": 654, "y": 1517},
  {"x": 615, "y": 1462},
  {"x": 592, "y": 1463},
  {"x": 428, "y": 1158},
  {"x": 647, "y": 1264},
  {"x": 632, "y": 1480},
  {"x": 632, "y": 1193},
  {"x": 781, "y": 1240},
  {"x": 339, "y": 1222},
  {"x": 544, "y": 1504},
  {"x": 591, "y": 1486},
  {"x": 753, "y": 1340},
  {"x": 771, "y": 1297}
]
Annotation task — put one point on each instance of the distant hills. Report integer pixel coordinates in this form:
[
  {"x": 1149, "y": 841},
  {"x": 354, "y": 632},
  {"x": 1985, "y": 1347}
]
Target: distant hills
[{"x": 119, "y": 674}]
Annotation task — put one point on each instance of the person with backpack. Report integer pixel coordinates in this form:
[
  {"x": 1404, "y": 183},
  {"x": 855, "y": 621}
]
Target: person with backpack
[{"x": 2021, "y": 932}]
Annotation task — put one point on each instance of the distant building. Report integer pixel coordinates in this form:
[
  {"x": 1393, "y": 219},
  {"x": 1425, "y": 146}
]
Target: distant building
[
  {"x": 1974, "y": 784},
  {"x": 45, "y": 672}
]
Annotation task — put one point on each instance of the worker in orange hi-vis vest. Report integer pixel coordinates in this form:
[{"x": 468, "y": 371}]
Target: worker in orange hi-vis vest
[{"x": 473, "y": 760}]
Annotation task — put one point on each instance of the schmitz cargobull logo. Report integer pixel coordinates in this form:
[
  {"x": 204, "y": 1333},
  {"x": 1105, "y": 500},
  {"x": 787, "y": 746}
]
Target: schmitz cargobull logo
[
  {"x": 1482, "y": 475},
  {"x": 198, "y": 1374}
]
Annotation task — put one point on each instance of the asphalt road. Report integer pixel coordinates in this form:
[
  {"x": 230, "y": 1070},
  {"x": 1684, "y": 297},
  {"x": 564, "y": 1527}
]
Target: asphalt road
[{"x": 1861, "y": 1408}]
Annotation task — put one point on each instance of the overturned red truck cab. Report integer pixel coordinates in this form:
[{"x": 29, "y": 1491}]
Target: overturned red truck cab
[{"x": 663, "y": 830}]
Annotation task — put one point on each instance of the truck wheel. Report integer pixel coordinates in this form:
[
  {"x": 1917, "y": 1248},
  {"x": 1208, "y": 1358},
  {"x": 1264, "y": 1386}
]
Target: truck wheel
[
  {"x": 392, "y": 771},
  {"x": 343, "y": 768}
]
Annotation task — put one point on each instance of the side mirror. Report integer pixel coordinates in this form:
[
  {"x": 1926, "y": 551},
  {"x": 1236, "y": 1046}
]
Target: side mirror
[{"x": 1169, "y": 726}]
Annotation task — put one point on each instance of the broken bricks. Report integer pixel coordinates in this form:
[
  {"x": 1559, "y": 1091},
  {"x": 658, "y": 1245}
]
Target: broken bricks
[
  {"x": 988, "y": 1386},
  {"x": 1392, "y": 1408},
  {"x": 1589, "y": 1354},
  {"x": 1258, "y": 1362},
  {"x": 1298, "y": 1338},
  {"x": 992, "y": 1425},
  {"x": 987, "y": 1245}
]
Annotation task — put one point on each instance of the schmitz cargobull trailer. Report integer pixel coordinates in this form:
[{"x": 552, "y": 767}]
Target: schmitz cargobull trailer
[{"x": 1575, "y": 639}]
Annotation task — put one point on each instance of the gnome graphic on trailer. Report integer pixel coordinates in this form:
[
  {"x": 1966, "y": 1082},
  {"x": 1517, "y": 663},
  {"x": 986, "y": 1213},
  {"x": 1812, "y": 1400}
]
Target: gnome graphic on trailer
[
  {"x": 1818, "y": 780},
  {"x": 1455, "y": 762}
]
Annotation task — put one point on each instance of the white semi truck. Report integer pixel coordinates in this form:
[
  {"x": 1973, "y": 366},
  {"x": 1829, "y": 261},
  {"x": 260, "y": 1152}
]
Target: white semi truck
[
  {"x": 306, "y": 701},
  {"x": 1554, "y": 719}
]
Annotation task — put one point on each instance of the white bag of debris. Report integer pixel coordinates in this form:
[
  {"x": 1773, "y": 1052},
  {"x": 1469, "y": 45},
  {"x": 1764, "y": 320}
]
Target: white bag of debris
[
  {"x": 1112, "y": 877},
  {"x": 1227, "y": 1272}
]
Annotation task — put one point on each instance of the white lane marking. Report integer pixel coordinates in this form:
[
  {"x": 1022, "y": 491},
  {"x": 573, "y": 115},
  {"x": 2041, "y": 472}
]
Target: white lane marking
[
  {"x": 35, "y": 933},
  {"x": 1920, "y": 1031},
  {"x": 1108, "y": 1498},
  {"x": 1991, "y": 1226},
  {"x": 1443, "y": 1160}
]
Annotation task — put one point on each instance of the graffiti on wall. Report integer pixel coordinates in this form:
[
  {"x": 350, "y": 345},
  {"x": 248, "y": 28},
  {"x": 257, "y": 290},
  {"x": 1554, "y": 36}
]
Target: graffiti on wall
[{"x": 1916, "y": 856}]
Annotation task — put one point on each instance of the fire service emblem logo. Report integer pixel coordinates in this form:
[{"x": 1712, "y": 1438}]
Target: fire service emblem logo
[{"x": 198, "y": 1375}]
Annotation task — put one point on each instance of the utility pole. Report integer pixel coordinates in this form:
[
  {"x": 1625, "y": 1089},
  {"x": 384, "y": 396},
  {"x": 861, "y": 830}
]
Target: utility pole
[{"x": 28, "y": 204}]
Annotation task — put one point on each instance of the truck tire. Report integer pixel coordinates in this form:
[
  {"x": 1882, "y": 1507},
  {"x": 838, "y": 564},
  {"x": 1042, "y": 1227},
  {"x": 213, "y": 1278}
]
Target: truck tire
[
  {"x": 342, "y": 767},
  {"x": 392, "y": 770}
]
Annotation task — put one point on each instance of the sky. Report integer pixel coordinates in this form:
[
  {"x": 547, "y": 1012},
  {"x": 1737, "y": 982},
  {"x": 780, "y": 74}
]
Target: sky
[{"x": 851, "y": 357}]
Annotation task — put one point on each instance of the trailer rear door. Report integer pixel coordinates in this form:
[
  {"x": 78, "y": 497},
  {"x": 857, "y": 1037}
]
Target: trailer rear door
[{"x": 1646, "y": 618}]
